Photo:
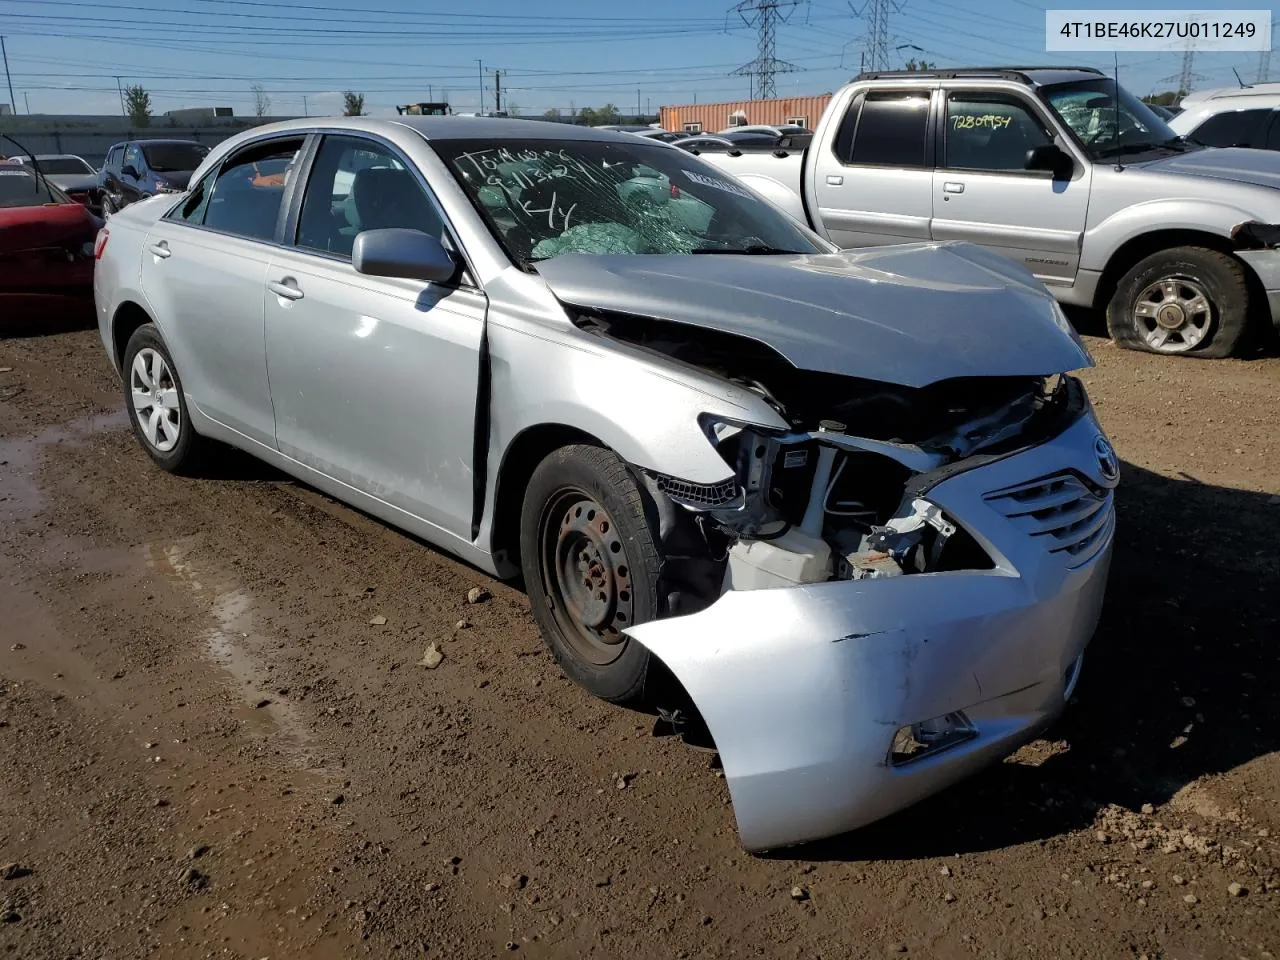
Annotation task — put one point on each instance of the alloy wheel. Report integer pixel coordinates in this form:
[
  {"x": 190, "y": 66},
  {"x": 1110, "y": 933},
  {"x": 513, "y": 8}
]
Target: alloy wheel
[
  {"x": 1173, "y": 315},
  {"x": 155, "y": 399}
]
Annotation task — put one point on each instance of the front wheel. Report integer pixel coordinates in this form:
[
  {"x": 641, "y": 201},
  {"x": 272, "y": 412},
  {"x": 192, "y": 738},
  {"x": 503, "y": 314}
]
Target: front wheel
[
  {"x": 108, "y": 206},
  {"x": 591, "y": 567},
  {"x": 1186, "y": 300}
]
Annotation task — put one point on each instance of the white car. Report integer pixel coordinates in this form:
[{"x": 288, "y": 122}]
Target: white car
[{"x": 1232, "y": 117}]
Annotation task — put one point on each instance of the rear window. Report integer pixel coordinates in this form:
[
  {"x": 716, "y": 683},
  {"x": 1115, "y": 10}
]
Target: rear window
[
  {"x": 169, "y": 157},
  {"x": 892, "y": 130},
  {"x": 63, "y": 165},
  {"x": 19, "y": 187},
  {"x": 1238, "y": 128}
]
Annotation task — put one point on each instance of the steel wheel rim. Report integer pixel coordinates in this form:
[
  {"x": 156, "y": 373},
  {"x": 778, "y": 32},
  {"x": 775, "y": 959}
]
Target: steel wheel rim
[
  {"x": 154, "y": 392},
  {"x": 586, "y": 575},
  {"x": 1173, "y": 315}
]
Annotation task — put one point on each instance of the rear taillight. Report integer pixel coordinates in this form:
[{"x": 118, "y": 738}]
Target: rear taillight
[{"x": 100, "y": 245}]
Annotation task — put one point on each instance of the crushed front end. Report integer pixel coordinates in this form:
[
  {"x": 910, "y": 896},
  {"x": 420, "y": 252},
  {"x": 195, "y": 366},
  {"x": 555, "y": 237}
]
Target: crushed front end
[{"x": 887, "y": 595}]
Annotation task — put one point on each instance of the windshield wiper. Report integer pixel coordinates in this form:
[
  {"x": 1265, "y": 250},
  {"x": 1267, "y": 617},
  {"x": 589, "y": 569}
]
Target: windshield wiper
[
  {"x": 751, "y": 249},
  {"x": 1178, "y": 145}
]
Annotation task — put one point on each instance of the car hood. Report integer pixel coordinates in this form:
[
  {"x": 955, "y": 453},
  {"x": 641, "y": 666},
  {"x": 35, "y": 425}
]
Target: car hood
[
  {"x": 912, "y": 314},
  {"x": 49, "y": 225},
  {"x": 1239, "y": 164},
  {"x": 73, "y": 181}
]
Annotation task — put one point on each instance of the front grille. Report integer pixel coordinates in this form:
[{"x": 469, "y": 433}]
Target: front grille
[
  {"x": 699, "y": 494},
  {"x": 1070, "y": 515}
]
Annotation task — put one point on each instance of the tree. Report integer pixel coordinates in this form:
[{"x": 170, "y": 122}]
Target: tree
[
  {"x": 261, "y": 102},
  {"x": 352, "y": 104},
  {"x": 513, "y": 109},
  {"x": 608, "y": 113},
  {"x": 914, "y": 65},
  {"x": 552, "y": 114},
  {"x": 137, "y": 103}
]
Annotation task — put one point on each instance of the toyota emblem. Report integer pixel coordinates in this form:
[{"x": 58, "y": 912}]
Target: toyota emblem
[{"x": 1108, "y": 462}]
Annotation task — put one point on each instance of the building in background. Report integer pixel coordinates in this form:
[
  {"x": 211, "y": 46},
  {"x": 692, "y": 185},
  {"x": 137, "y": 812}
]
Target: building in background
[
  {"x": 712, "y": 117},
  {"x": 198, "y": 116}
]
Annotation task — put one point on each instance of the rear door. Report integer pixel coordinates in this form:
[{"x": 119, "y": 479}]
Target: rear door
[
  {"x": 874, "y": 179},
  {"x": 204, "y": 270},
  {"x": 983, "y": 192},
  {"x": 133, "y": 173}
]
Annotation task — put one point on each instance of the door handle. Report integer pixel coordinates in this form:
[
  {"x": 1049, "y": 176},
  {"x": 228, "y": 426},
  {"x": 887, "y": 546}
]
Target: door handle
[
  {"x": 953, "y": 187},
  {"x": 161, "y": 249},
  {"x": 287, "y": 288},
  {"x": 833, "y": 180}
]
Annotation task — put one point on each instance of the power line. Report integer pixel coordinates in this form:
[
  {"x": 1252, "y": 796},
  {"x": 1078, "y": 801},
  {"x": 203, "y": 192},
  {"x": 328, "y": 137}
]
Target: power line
[{"x": 765, "y": 16}]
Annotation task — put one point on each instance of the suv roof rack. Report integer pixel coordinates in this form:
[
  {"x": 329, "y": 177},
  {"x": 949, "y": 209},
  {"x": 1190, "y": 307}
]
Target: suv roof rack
[{"x": 1019, "y": 74}]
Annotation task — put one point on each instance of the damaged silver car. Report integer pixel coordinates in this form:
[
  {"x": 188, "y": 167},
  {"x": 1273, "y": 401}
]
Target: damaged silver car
[{"x": 853, "y": 502}]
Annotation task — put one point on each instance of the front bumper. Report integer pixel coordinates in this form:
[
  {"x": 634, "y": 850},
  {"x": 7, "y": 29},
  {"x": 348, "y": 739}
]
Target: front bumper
[
  {"x": 803, "y": 688},
  {"x": 1266, "y": 265}
]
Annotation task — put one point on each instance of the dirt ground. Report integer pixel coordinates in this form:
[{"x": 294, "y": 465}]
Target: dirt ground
[{"x": 209, "y": 749}]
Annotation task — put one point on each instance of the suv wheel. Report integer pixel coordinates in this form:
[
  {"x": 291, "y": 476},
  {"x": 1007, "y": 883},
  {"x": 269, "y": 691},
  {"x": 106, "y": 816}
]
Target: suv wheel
[{"x": 1185, "y": 300}]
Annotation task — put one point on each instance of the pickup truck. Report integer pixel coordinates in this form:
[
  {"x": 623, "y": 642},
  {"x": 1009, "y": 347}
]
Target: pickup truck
[{"x": 1059, "y": 169}]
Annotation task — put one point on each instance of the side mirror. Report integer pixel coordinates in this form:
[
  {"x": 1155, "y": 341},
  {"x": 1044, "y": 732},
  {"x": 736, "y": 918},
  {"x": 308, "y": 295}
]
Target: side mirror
[
  {"x": 1053, "y": 158},
  {"x": 129, "y": 171},
  {"x": 408, "y": 254}
]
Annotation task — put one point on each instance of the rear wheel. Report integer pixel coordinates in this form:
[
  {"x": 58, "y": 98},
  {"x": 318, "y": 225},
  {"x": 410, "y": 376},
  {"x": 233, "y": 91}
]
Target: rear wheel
[
  {"x": 108, "y": 206},
  {"x": 591, "y": 567},
  {"x": 1185, "y": 300},
  {"x": 156, "y": 405}
]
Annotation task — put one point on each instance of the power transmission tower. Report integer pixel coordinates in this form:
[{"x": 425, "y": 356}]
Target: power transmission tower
[
  {"x": 1188, "y": 74},
  {"x": 876, "y": 40},
  {"x": 1264, "y": 59},
  {"x": 764, "y": 16}
]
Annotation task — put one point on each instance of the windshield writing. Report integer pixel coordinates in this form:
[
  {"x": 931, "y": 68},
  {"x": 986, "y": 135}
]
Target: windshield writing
[{"x": 543, "y": 199}]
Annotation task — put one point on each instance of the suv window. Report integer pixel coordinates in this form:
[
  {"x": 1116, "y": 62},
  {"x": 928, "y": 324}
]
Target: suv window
[
  {"x": 112, "y": 162},
  {"x": 133, "y": 158},
  {"x": 246, "y": 196},
  {"x": 358, "y": 185},
  {"x": 891, "y": 129},
  {"x": 990, "y": 132},
  {"x": 1236, "y": 128}
]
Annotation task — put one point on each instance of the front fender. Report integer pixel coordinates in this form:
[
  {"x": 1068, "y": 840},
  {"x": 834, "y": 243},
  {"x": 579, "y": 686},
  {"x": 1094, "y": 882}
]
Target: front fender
[{"x": 1102, "y": 240}]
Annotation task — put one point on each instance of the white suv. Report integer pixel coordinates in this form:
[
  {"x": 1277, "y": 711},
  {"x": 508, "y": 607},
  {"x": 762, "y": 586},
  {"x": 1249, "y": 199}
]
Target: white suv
[{"x": 1232, "y": 117}]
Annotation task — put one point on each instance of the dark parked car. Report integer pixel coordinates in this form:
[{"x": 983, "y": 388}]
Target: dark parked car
[
  {"x": 71, "y": 174},
  {"x": 142, "y": 168}
]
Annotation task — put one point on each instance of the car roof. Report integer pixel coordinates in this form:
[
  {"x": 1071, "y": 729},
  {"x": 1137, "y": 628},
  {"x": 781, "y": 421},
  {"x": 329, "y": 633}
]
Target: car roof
[
  {"x": 1251, "y": 93},
  {"x": 1034, "y": 76},
  {"x": 445, "y": 128}
]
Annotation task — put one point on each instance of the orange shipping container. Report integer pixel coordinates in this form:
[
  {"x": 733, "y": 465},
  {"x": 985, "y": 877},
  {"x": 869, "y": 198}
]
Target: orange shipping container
[{"x": 713, "y": 117}]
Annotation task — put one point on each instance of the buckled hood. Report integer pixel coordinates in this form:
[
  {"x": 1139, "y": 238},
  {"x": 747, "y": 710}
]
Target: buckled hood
[
  {"x": 1261, "y": 168},
  {"x": 912, "y": 314}
]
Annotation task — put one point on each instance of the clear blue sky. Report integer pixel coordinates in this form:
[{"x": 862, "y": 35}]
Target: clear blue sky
[{"x": 65, "y": 54}]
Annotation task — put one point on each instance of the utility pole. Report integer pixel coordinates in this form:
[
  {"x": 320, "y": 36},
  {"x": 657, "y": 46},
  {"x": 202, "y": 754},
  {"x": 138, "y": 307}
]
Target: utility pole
[
  {"x": 638, "y": 113},
  {"x": 305, "y": 111},
  {"x": 27, "y": 101},
  {"x": 430, "y": 93},
  {"x": 497, "y": 90},
  {"x": 876, "y": 42},
  {"x": 12, "y": 101},
  {"x": 1264, "y": 60},
  {"x": 123, "y": 111},
  {"x": 764, "y": 15},
  {"x": 480, "y": 65}
]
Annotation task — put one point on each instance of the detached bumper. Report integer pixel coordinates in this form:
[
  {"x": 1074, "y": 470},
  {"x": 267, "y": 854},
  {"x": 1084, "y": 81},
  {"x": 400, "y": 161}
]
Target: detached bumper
[
  {"x": 804, "y": 688},
  {"x": 1266, "y": 265}
]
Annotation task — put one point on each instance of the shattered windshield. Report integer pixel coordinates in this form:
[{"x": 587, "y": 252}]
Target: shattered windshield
[
  {"x": 544, "y": 198},
  {"x": 1090, "y": 109}
]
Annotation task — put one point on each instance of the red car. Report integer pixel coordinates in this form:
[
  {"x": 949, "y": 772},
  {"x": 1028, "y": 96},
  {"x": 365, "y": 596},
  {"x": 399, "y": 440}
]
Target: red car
[{"x": 46, "y": 248}]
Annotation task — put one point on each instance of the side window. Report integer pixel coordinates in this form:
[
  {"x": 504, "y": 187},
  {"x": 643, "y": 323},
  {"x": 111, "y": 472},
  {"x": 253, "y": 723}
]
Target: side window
[
  {"x": 1236, "y": 128},
  {"x": 192, "y": 209},
  {"x": 133, "y": 157},
  {"x": 113, "y": 159},
  {"x": 247, "y": 192},
  {"x": 694, "y": 127},
  {"x": 1273, "y": 136},
  {"x": 990, "y": 132},
  {"x": 886, "y": 128},
  {"x": 358, "y": 185}
]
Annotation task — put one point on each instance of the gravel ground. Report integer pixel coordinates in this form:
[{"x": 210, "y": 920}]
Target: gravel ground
[{"x": 212, "y": 746}]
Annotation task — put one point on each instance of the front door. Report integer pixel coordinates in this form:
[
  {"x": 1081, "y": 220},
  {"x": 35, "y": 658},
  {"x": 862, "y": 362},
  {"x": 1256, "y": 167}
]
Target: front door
[
  {"x": 984, "y": 193},
  {"x": 374, "y": 379},
  {"x": 876, "y": 184}
]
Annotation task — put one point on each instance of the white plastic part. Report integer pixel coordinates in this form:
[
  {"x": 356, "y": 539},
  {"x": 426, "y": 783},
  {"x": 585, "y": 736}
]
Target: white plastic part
[
  {"x": 814, "y": 514},
  {"x": 787, "y": 561}
]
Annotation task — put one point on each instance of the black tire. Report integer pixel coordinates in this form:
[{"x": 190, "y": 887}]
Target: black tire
[
  {"x": 1223, "y": 282},
  {"x": 188, "y": 453},
  {"x": 108, "y": 205},
  {"x": 584, "y": 517}
]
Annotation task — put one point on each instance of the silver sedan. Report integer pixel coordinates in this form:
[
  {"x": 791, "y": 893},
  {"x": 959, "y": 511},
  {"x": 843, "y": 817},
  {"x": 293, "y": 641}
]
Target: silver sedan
[{"x": 853, "y": 502}]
